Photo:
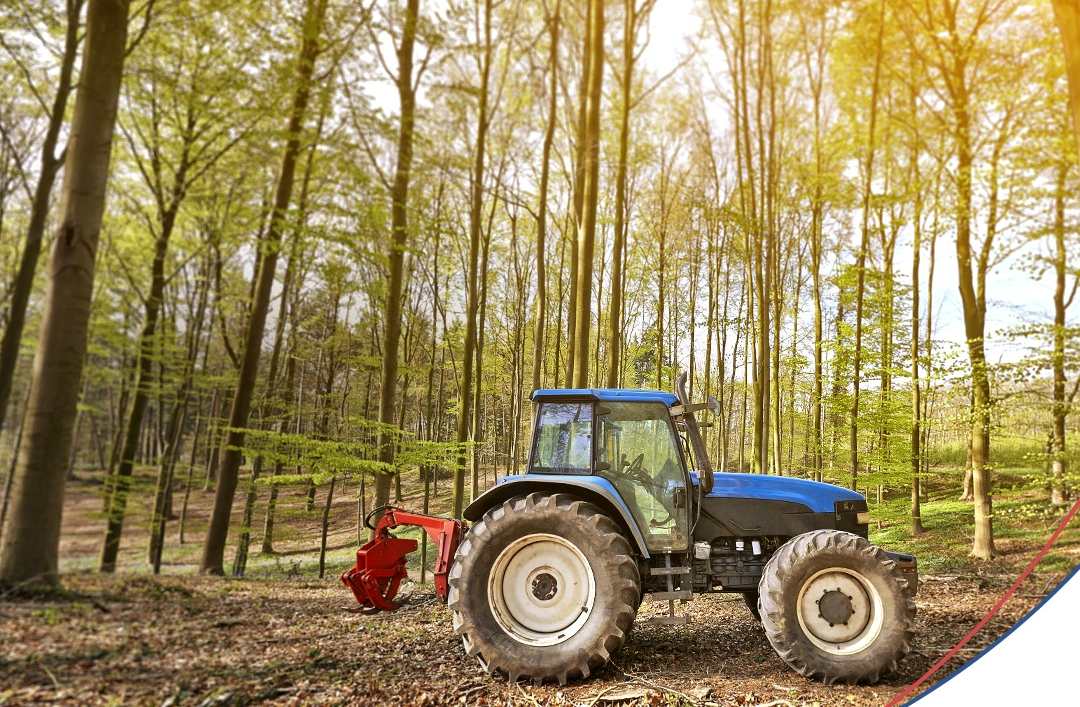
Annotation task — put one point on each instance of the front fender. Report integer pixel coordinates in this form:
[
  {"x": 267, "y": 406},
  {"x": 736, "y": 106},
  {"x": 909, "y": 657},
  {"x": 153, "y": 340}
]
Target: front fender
[{"x": 588, "y": 488}]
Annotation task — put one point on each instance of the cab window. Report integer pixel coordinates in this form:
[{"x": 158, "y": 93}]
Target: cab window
[
  {"x": 563, "y": 439},
  {"x": 638, "y": 452}
]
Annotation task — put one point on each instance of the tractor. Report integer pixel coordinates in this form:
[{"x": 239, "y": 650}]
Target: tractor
[{"x": 619, "y": 504}]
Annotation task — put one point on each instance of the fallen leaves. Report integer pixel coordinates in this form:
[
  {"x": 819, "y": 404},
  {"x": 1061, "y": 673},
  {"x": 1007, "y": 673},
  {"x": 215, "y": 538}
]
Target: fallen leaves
[{"x": 210, "y": 641}]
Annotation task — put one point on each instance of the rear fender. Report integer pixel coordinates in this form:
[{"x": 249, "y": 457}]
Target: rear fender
[{"x": 588, "y": 488}]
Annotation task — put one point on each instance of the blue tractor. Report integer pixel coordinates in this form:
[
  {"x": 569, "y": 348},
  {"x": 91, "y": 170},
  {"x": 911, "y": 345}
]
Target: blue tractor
[{"x": 619, "y": 504}]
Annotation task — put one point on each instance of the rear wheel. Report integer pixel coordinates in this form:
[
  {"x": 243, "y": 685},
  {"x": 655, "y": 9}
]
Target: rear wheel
[
  {"x": 835, "y": 608},
  {"x": 544, "y": 587}
]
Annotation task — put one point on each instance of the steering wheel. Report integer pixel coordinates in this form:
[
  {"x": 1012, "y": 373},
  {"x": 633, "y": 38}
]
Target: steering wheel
[{"x": 635, "y": 473}]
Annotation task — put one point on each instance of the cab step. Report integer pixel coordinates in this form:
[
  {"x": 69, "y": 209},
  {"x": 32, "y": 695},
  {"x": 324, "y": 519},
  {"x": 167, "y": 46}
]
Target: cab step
[{"x": 672, "y": 594}]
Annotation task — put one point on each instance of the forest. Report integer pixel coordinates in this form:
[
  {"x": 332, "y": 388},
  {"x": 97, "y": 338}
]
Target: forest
[{"x": 268, "y": 265}]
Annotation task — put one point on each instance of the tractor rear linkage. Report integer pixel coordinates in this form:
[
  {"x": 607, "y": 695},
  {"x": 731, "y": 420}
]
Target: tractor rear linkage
[{"x": 380, "y": 563}]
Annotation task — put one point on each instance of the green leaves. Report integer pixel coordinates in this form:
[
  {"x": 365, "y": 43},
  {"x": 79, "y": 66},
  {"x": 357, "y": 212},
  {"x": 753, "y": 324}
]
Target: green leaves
[{"x": 321, "y": 459}]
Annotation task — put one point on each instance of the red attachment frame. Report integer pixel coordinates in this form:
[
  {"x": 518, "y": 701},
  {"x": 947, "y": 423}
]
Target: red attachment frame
[{"x": 380, "y": 563}]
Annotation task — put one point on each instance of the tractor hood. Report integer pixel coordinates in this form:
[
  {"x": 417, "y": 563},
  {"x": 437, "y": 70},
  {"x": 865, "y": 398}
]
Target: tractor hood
[{"x": 818, "y": 497}]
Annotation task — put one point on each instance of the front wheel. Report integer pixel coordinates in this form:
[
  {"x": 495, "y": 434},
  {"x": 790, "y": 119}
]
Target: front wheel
[
  {"x": 835, "y": 607},
  {"x": 544, "y": 587}
]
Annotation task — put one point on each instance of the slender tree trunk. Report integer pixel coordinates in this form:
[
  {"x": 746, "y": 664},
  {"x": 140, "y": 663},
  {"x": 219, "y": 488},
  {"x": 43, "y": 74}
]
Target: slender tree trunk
[
  {"x": 110, "y": 545},
  {"x": 974, "y": 329},
  {"x": 1059, "y": 494},
  {"x": 182, "y": 527},
  {"x": 399, "y": 215},
  {"x": 326, "y": 526},
  {"x": 477, "y": 428},
  {"x": 615, "y": 309},
  {"x": 214, "y": 548},
  {"x": 916, "y": 383},
  {"x": 916, "y": 386},
  {"x": 587, "y": 231},
  {"x": 860, "y": 263},
  {"x": 1067, "y": 16},
  {"x": 574, "y": 233},
  {"x": 39, "y": 208},
  {"x": 31, "y": 537},
  {"x": 10, "y": 478},
  {"x": 472, "y": 299},
  {"x": 542, "y": 199}
]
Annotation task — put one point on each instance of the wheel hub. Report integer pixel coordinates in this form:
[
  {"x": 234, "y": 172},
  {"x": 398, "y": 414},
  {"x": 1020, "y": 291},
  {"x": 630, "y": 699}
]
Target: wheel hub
[
  {"x": 835, "y": 607},
  {"x": 840, "y": 610},
  {"x": 541, "y": 589},
  {"x": 544, "y": 586}
]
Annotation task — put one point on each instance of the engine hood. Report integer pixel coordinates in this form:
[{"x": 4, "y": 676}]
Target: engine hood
[{"x": 818, "y": 497}]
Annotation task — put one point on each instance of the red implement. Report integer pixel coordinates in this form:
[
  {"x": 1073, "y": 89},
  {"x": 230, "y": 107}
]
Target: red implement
[{"x": 380, "y": 563}]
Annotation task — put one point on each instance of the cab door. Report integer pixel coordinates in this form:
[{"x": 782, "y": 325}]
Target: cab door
[{"x": 637, "y": 451}]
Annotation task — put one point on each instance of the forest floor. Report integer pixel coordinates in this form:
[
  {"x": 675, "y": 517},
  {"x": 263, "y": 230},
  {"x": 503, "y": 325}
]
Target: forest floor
[{"x": 282, "y": 635}]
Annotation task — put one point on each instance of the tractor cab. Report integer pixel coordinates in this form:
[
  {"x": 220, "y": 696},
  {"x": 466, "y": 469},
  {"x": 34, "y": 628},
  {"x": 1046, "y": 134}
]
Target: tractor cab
[{"x": 628, "y": 441}]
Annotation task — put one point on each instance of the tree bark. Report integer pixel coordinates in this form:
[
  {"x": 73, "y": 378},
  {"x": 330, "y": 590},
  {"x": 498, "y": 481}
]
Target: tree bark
[
  {"x": 916, "y": 385},
  {"x": 399, "y": 217},
  {"x": 39, "y": 209},
  {"x": 542, "y": 198},
  {"x": 1067, "y": 16},
  {"x": 630, "y": 22},
  {"x": 31, "y": 536},
  {"x": 472, "y": 297},
  {"x": 587, "y": 230},
  {"x": 1059, "y": 494},
  {"x": 214, "y": 548},
  {"x": 114, "y": 528},
  {"x": 860, "y": 263}
]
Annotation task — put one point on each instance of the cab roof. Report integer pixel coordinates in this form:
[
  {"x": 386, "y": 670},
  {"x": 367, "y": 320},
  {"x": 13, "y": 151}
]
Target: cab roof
[{"x": 621, "y": 395}]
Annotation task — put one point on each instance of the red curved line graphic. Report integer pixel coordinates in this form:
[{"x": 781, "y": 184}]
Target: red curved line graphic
[{"x": 899, "y": 697}]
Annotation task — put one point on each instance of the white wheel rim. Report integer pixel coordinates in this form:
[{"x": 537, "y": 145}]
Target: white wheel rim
[
  {"x": 541, "y": 589},
  {"x": 840, "y": 611}
]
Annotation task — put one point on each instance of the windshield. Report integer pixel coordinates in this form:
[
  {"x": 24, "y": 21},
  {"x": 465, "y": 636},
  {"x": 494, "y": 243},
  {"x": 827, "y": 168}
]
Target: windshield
[{"x": 563, "y": 439}]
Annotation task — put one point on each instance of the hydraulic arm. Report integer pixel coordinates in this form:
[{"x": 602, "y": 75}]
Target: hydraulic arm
[{"x": 380, "y": 563}]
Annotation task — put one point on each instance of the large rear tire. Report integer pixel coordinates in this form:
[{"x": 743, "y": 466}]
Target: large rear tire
[
  {"x": 544, "y": 587},
  {"x": 835, "y": 608}
]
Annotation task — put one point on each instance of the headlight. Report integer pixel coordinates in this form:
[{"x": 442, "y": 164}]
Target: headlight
[{"x": 863, "y": 518}]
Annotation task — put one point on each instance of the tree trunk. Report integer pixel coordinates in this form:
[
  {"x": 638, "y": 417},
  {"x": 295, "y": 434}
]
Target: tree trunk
[
  {"x": 39, "y": 209},
  {"x": 326, "y": 526},
  {"x": 214, "y": 549},
  {"x": 477, "y": 428},
  {"x": 472, "y": 299},
  {"x": 182, "y": 527},
  {"x": 10, "y": 478},
  {"x": 916, "y": 386},
  {"x": 587, "y": 230},
  {"x": 1067, "y": 15},
  {"x": 619, "y": 249},
  {"x": 1059, "y": 494},
  {"x": 860, "y": 264},
  {"x": 31, "y": 536},
  {"x": 974, "y": 329},
  {"x": 110, "y": 546},
  {"x": 399, "y": 215},
  {"x": 542, "y": 199}
]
